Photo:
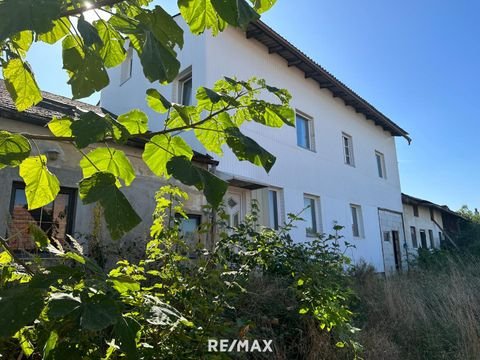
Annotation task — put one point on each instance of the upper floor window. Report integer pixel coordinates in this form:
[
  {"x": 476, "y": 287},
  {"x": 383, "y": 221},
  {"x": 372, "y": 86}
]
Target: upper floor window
[
  {"x": 56, "y": 218},
  {"x": 311, "y": 204},
  {"x": 413, "y": 235},
  {"x": 432, "y": 214},
  {"x": 415, "y": 210},
  {"x": 186, "y": 90},
  {"x": 348, "y": 149},
  {"x": 126, "y": 67},
  {"x": 357, "y": 220},
  {"x": 304, "y": 132},
  {"x": 380, "y": 164}
]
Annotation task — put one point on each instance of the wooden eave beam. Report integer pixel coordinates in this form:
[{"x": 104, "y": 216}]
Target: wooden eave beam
[
  {"x": 294, "y": 62},
  {"x": 275, "y": 49}
]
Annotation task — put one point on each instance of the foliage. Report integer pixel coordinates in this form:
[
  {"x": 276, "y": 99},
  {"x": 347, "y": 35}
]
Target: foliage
[
  {"x": 428, "y": 313},
  {"x": 89, "y": 48},
  {"x": 178, "y": 296}
]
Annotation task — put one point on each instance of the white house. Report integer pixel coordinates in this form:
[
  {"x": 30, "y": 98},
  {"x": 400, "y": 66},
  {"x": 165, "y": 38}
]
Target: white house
[
  {"x": 427, "y": 224},
  {"x": 340, "y": 159}
]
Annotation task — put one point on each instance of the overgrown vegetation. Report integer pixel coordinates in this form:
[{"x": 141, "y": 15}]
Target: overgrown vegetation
[
  {"x": 256, "y": 283},
  {"x": 431, "y": 312}
]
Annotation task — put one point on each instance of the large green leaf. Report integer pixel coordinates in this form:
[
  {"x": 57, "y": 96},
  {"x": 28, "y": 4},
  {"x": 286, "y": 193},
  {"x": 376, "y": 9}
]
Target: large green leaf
[
  {"x": 22, "y": 41},
  {"x": 19, "y": 306},
  {"x": 41, "y": 186},
  {"x": 119, "y": 214},
  {"x": 62, "y": 304},
  {"x": 163, "y": 26},
  {"x": 200, "y": 15},
  {"x": 237, "y": 13},
  {"x": 21, "y": 84},
  {"x": 14, "y": 148},
  {"x": 126, "y": 330},
  {"x": 109, "y": 160},
  {"x": 89, "y": 32},
  {"x": 85, "y": 67},
  {"x": 136, "y": 121},
  {"x": 98, "y": 313},
  {"x": 91, "y": 128},
  {"x": 157, "y": 101},
  {"x": 159, "y": 61},
  {"x": 61, "y": 126},
  {"x": 182, "y": 169},
  {"x": 248, "y": 149},
  {"x": 35, "y": 15},
  {"x": 161, "y": 148},
  {"x": 212, "y": 133},
  {"x": 113, "y": 51},
  {"x": 59, "y": 31}
]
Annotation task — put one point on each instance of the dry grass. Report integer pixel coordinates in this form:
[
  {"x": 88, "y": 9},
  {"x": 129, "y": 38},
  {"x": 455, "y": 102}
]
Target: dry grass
[{"x": 425, "y": 314}]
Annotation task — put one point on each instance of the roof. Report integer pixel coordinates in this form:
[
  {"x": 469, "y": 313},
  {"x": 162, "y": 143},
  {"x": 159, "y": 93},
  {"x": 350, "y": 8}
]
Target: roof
[
  {"x": 58, "y": 106},
  {"x": 410, "y": 200},
  {"x": 275, "y": 43}
]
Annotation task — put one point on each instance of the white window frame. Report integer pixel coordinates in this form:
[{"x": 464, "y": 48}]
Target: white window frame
[
  {"x": 348, "y": 155},
  {"x": 181, "y": 81},
  {"x": 311, "y": 134},
  {"x": 126, "y": 67},
  {"x": 381, "y": 168},
  {"x": 358, "y": 230},
  {"x": 317, "y": 217}
]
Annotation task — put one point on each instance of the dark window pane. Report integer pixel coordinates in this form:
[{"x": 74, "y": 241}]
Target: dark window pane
[
  {"x": 273, "y": 209},
  {"x": 413, "y": 234},
  {"x": 310, "y": 216},
  {"x": 355, "y": 224},
  {"x": 187, "y": 91}
]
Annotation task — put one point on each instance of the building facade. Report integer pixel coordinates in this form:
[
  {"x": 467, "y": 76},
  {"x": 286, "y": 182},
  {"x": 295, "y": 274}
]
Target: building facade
[{"x": 338, "y": 164}]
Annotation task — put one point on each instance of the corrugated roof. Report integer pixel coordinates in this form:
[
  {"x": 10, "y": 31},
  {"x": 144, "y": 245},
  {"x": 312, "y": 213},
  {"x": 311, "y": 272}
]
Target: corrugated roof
[
  {"x": 411, "y": 200},
  {"x": 277, "y": 44}
]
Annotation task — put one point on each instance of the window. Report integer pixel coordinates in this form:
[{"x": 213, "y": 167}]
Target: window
[
  {"x": 357, "y": 220},
  {"x": 386, "y": 236},
  {"x": 440, "y": 237},
  {"x": 126, "y": 67},
  {"x": 430, "y": 236},
  {"x": 311, "y": 214},
  {"x": 304, "y": 132},
  {"x": 56, "y": 218},
  {"x": 432, "y": 214},
  {"x": 348, "y": 149},
  {"x": 413, "y": 235},
  {"x": 415, "y": 210},
  {"x": 380, "y": 165},
  {"x": 189, "y": 227},
  {"x": 273, "y": 218},
  {"x": 423, "y": 239},
  {"x": 186, "y": 90}
]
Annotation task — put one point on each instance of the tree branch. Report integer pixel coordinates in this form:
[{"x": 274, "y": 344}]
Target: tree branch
[{"x": 91, "y": 6}]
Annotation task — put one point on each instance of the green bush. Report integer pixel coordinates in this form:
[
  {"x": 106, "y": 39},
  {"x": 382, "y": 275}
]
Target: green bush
[{"x": 256, "y": 283}]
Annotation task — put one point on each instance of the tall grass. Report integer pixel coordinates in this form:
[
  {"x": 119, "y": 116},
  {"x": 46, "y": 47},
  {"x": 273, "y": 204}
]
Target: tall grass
[{"x": 432, "y": 312}]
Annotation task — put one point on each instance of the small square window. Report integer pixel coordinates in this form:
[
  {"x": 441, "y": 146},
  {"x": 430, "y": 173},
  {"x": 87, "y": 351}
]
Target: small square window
[
  {"x": 348, "y": 150},
  {"x": 386, "y": 236},
  {"x": 311, "y": 205},
  {"x": 304, "y": 132},
  {"x": 186, "y": 90},
  {"x": 357, "y": 221},
  {"x": 380, "y": 164}
]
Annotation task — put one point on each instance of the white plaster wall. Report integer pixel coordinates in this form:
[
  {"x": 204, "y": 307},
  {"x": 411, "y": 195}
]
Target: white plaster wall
[
  {"x": 422, "y": 222},
  {"x": 297, "y": 171}
]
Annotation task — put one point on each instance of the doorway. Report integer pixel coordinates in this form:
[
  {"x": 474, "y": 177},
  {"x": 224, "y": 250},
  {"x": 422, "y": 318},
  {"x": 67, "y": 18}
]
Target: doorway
[{"x": 396, "y": 250}]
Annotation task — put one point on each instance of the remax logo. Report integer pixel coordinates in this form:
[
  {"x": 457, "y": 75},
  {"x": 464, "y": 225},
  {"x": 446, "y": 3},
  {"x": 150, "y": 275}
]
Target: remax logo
[{"x": 236, "y": 345}]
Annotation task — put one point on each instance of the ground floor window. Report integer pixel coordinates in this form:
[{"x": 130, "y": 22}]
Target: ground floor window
[
  {"x": 423, "y": 239},
  {"x": 311, "y": 214},
  {"x": 357, "y": 220},
  {"x": 56, "y": 218},
  {"x": 189, "y": 229}
]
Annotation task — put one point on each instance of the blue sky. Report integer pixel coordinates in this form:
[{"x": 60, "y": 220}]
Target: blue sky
[{"x": 416, "y": 61}]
